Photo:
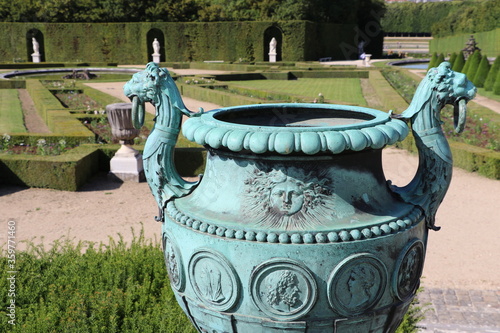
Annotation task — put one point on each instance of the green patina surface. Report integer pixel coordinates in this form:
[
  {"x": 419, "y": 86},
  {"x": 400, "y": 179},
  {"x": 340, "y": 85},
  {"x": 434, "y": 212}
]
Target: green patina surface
[{"x": 293, "y": 225}]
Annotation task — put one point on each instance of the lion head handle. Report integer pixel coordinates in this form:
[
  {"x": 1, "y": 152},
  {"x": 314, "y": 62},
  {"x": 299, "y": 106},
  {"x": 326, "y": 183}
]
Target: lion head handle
[
  {"x": 441, "y": 86},
  {"x": 148, "y": 86}
]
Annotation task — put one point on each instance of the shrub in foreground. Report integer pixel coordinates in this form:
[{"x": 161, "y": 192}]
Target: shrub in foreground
[{"x": 92, "y": 288}]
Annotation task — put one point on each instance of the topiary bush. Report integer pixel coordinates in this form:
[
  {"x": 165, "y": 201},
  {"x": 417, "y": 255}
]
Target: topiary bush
[
  {"x": 452, "y": 59},
  {"x": 440, "y": 59},
  {"x": 496, "y": 86},
  {"x": 482, "y": 72},
  {"x": 433, "y": 61},
  {"x": 474, "y": 62},
  {"x": 459, "y": 62},
  {"x": 492, "y": 74}
]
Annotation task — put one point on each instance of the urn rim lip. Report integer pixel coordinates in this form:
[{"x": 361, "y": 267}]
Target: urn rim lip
[
  {"x": 374, "y": 129},
  {"x": 362, "y": 113}
]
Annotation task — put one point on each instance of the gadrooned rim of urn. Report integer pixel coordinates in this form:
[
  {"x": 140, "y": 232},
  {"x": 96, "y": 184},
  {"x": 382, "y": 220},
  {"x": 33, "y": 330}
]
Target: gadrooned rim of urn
[{"x": 223, "y": 128}]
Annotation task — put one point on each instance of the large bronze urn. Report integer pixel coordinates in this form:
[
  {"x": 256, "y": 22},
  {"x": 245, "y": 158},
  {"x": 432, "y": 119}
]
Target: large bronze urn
[{"x": 294, "y": 227}]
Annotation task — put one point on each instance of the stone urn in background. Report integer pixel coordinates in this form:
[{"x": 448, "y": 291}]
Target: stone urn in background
[
  {"x": 294, "y": 227},
  {"x": 126, "y": 165}
]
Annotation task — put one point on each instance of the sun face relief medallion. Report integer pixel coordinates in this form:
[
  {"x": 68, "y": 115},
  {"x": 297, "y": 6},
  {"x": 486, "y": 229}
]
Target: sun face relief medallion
[{"x": 287, "y": 199}]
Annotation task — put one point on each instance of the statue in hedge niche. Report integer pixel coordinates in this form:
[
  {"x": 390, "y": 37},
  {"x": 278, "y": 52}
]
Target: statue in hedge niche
[
  {"x": 156, "y": 86},
  {"x": 441, "y": 86}
]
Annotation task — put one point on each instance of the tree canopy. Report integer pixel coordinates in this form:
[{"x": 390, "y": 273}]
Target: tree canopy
[
  {"x": 58, "y": 11},
  {"x": 442, "y": 18}
]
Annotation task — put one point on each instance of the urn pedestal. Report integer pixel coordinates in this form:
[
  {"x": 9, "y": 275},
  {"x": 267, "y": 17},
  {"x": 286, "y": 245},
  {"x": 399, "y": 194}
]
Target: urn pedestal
[
  {"x": 36, "y": 57},
  {"x": 126, "y": 164}
]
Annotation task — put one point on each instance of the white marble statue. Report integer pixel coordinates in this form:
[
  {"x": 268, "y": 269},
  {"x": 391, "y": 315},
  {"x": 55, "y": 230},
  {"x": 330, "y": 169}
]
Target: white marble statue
[
  {"x": 156, "y": 46},
  {"x": 272, "y": 50},
  {"x": 36, "y": 56},
  {"x": 36, "y": 46},
  {"x": 156, "y": 51},
  {"x": 272, "y": 46}
]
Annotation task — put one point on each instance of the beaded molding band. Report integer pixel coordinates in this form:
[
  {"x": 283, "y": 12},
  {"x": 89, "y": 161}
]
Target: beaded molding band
[{"x": 345, "y": 235}]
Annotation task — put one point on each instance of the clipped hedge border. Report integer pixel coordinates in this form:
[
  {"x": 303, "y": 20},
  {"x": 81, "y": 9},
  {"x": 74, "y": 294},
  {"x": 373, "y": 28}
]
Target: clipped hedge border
[
  {"x": 71, "y": 170},
  {"x": 12, "y": 84},
  {"x": 216, "y": 96},
  {"x": 58, "y": 120},
  {"x": 470, "y": 158},
  {"x": 25, "y": 65},
  {"x": 65, "y": 172}
]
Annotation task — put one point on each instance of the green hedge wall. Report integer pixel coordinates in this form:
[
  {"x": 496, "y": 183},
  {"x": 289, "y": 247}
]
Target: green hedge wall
[
  {"x": 129, "y": 42},
  {"x": 58, "y": 119},
  {"x": 444, "y": 18},
  {"x": 488, "y": 42}
]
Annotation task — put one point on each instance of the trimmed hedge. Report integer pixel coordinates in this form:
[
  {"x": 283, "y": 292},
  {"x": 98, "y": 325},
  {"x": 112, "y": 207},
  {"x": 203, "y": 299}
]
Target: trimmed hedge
[
  {"x": 441, "y": 18},
  {"x": 218, "y": 97},
  {"x": 470, "y": 158},
  {"x": 71, "y": 170},
  {"x": 12, "y": 84},
  {"x": 198, "y": 41},
  {"x": 492, "y": 74},
  {"x": 29, "y": 65},
  {"x": 487, "y": 41},
  {"x": 65, "y": 172},
  {"x": 410, "y": 17},
  {"x": 482, "y": 72},
  {"x": 58, "y": 120}
]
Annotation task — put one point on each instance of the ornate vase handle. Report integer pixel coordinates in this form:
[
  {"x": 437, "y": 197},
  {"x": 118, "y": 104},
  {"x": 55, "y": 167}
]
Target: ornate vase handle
[
  {"x": 441, "y": 86},
  {"x": 155, "y": 85}
]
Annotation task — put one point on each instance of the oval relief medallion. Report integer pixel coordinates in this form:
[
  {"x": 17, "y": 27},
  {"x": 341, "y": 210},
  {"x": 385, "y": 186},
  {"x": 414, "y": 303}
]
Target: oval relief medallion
[
  {"x": 283, "y": 289},
  {"x": 409, "y": 266},
  {"x": 173, "y": 263},
  {"x": 357, "y": 284},
  {"x": 214, "y": 280}
]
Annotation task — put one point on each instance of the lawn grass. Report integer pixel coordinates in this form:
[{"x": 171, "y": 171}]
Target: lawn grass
[
  {"x": 11, "y": 112},
  {"x": 334, "y": 89},
  {"x": 389, "y": 98}
]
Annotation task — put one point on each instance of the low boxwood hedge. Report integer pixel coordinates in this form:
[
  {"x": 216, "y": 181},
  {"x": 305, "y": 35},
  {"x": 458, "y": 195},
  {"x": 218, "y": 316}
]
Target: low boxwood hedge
[
  {"x": 69, "y": 171},
  {"x": 470, "y": 158}
]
